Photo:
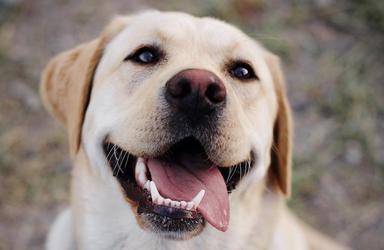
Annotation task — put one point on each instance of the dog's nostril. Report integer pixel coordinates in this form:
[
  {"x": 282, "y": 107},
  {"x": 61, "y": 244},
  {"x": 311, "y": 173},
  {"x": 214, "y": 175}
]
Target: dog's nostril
[
  {"x": 215, "y": 93},
  {"x": 181, "y": 89}
]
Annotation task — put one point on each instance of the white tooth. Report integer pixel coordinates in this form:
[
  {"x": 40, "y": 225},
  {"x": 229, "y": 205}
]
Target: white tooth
[
  {"x": 160, "y": 200},
  {"x": 141, "y": 172},
  {"x": 183, "y": 204},
  {"x": 147, "y": 185},
  {"x": 154, "y": 193},
  {"x": 167, "y": 202},
  {"x": 190, "y": 205},
  {"x": 174, "y": 204},
  {"x": 198, "y": 198},
  {"x": 140, "y": 166},
  {"x": 142, "y": 179}
]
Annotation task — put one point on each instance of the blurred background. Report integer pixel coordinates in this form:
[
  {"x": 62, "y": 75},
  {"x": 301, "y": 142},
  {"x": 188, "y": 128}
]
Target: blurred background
[{"x": 333, "y": 56}]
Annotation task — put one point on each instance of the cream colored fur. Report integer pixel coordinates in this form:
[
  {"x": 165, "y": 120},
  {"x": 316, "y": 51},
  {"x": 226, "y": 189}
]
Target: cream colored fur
[{"x": 95, "y": 94}]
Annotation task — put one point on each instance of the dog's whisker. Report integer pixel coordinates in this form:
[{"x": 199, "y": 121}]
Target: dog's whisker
[
  {"x": 248, "y": 166},
  {"x": 123, "y": 161},
  {"x": 241, "y": 167},
  {"x": 117, "y": 161},
  {"x": 229, "y": 174},
  {"x": 109, "y": 151},
  {"x": 245, "y": 166},
  {"x": 113, "y": 156},
  {"x": 233, "y": 172}
]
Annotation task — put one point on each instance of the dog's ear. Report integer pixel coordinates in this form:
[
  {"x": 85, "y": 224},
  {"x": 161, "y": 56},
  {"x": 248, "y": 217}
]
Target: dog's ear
[
  {"x": 67, "y": 81},
  {"x": 281, "y": 152},
  {"x": 66, "y": 84}
]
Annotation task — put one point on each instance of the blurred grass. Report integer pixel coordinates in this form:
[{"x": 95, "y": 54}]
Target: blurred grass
[{"x": 332, "y": 53}]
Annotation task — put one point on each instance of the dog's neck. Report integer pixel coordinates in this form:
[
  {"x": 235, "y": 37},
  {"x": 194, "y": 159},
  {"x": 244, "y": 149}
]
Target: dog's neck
[{"x": 102, "y": 217}]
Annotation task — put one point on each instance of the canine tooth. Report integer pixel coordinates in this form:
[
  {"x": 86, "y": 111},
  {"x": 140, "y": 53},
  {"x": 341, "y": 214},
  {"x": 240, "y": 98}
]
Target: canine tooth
[
  {"x": 183, "y": 204},
  {"x": 167, "y": 202},
  {"x": 197, "y": 199},
  {"x": 140, "y": 166},
  {"x": 147, "y": 185},
  {"x": 142, "y": 179},
  {"x": 190, "y": 205},
  {"x": 154, "y": 193},
  {"x": 141, "y": 172}
]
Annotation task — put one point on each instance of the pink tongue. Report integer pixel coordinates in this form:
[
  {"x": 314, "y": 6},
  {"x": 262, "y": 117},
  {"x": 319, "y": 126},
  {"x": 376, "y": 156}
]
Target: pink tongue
[{"x": 183, "y": 183}]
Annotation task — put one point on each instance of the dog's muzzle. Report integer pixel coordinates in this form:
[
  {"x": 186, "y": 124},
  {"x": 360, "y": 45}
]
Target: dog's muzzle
[
  {"x": 179, "y": 189},
  {"x": 195, "y": 94}
]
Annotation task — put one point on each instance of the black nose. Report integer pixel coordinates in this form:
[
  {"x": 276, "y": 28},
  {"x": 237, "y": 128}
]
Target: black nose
[{"x": 195, "y": 92}]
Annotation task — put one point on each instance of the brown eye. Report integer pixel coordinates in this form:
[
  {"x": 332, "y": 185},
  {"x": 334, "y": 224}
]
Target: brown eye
[
  {"x": 145, "y": 55},
  {"x": 242, "y": 71}
]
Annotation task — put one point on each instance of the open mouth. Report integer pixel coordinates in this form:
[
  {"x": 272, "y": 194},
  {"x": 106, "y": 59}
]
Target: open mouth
[{"x": 178, "y": 191}]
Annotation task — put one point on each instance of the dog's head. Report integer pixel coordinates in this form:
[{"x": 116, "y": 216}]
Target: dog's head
[{"x": 182, "y": 111}]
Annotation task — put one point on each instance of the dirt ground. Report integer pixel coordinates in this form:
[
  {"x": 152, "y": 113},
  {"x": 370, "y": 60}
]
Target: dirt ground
[{"x": 333, "y": 59}]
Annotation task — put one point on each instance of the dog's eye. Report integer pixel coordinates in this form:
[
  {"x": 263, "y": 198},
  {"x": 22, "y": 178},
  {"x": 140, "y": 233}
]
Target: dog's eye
[
  {"x": 243, "y": 71},
  {"x": 145, "y": 55}
]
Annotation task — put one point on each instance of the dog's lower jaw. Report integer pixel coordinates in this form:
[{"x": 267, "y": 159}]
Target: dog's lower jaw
[{"x": 103, "y": 219}]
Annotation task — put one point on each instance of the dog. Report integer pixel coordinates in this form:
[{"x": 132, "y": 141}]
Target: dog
[{"x": 180, "y": 133}]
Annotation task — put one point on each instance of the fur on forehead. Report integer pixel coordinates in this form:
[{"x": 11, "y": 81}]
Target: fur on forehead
[{"x": 159, "y": 28}]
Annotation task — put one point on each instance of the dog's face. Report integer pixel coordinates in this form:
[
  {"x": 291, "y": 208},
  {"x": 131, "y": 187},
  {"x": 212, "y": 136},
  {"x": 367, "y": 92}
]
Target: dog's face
[{"x": 182, "y": 111}]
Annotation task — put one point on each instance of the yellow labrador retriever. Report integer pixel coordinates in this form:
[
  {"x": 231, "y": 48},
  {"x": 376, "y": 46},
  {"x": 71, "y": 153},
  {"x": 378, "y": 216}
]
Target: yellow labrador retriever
[{"x": 180, "y": 134}]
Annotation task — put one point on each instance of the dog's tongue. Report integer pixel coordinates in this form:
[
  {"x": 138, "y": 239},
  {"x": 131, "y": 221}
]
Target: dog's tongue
[{"x": 182, "y": 183}]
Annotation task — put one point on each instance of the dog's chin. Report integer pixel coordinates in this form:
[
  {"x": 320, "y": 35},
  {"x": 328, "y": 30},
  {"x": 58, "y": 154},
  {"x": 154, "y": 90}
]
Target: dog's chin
[{"x": 173, "y": 216}]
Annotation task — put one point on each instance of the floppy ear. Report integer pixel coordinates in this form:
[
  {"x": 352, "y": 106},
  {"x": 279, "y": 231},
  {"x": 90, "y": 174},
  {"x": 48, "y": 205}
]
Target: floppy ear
[
  {"x": 281, "y": 152},
  {"x": 66, "y": 84},
  {"x": 67, "y": 81}
]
